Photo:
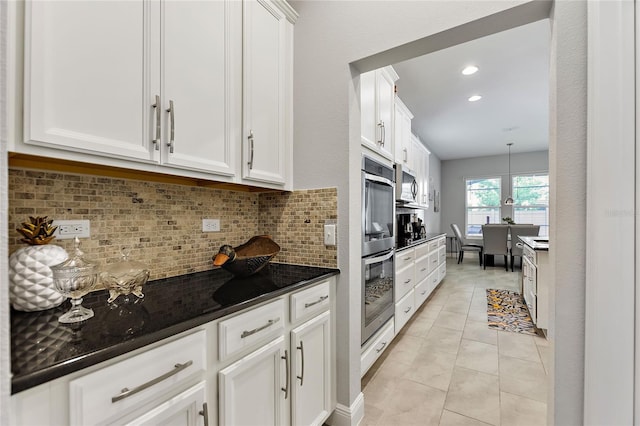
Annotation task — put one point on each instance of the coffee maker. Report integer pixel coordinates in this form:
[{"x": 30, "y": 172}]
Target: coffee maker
[
  {"x": 410, "y": 225},
  {"x": 405, "y": 230}
]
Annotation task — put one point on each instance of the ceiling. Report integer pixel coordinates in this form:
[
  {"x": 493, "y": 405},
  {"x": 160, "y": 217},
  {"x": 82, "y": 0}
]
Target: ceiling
[{"x": 513, "y": 80}]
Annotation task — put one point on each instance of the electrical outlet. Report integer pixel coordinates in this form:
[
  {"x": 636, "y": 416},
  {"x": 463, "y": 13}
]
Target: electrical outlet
[
  {"x": 210, "y": 225},
  {"x": 68, "y": 229}
]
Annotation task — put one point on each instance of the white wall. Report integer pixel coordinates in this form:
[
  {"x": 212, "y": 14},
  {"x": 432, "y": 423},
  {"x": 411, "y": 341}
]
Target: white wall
[
  {"x": 330, "y": 35},
  {"x": 454, "y": 173}
]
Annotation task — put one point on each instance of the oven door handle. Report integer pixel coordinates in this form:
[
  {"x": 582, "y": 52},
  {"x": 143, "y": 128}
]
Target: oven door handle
[
  {"x": 378, "y": 179},
  {"x": 371, "y": 260}
]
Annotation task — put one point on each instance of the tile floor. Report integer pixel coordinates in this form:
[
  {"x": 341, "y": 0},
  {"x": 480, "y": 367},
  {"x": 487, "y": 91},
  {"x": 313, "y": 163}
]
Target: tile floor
[{"x": 447, "y": 367}]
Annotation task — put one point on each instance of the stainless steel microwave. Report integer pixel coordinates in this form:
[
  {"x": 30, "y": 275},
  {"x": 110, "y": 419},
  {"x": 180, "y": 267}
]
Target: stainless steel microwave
[{"x": 406, "y": 186}]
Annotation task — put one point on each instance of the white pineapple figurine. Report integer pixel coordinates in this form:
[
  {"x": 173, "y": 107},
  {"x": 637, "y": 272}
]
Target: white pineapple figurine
[{"x": 31, "y": 280}]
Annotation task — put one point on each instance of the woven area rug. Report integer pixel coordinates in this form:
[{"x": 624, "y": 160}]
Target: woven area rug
[{"x": 507, "y": 311}]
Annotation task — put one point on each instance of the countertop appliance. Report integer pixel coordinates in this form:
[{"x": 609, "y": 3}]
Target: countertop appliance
[
  {"x": 411, "y": 228},
  {"x": 406, "y": 187}
]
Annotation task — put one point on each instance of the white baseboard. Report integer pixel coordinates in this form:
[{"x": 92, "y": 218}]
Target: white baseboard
[{"x": 348, "y": 416}]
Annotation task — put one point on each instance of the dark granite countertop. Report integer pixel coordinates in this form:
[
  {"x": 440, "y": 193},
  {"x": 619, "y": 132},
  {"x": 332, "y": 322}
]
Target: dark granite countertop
[
  {"x": 42, "y": 349},
  {"x": 428, "y": 237}
]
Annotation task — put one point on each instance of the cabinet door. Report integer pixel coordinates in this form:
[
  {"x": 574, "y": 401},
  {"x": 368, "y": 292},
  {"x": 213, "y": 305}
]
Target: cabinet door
[
  {"x": 89, "y": 84},
  {"x": 385, "y": 105},
  {"x": 185, "y": 409},
  {"x": 311, "y": 371},
  {"x": 201, "y": 66},
  {"x": 265, "y": 92},
  {"x": 253, "y": 390},
  {"x": 368, "y": 117}
]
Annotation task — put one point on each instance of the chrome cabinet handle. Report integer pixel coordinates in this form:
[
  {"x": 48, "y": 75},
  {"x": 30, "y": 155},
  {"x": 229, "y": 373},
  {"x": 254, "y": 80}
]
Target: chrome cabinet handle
[
  {"x": 269, "y": 323},
  {"x": 322, "y": 299},
  {"x": 286, "y": 367},
  {"x": 381, "y": 347},
  {"x": 250, "y": 137},
  {"x": 383, "y": 137},
  {"x": 407, "y": 281},
  {"x": 301, "y": 376},
  {"x": 423, "y": 269},
  {"x": 126, "y": 392},
  {"x": 205, "y": 413},
  {"x": 407, "y": 258},
  {"x": 406, "y": 157},
  {"x": 423, "y": 293},
  {"x": 408, "y": 309},
  {"x": 156, "y": 141},
  {"x": 173, "y": 127}
]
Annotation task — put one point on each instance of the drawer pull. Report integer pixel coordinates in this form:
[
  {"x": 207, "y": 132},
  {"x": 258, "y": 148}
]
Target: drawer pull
[
  {"x": 125, "y": 393},
  {"x": 255, "y": 330},
  {"x": 286, "y": 369},
  {"x": 423, "y": 293},
  {"x": 322, "y": 299},
  {"x": 381, "y": 347},
  {"x": 407, "y": 258},
  {"x": 408, "y": 309},
  {"x": 407, "y": 281},
  {"x": 205, "y": 413},
  {"x": 301, "y": 376},
  {"x": 423, "y": 269}
]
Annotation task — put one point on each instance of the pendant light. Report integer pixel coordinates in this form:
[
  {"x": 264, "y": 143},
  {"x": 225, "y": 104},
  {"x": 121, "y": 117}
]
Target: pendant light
[{"x": 509, "y": 200}]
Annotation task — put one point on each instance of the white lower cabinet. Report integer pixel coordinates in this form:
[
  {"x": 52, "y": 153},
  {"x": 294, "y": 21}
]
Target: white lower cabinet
[
  {"x": 405, "y": 309},
  {"x": 254, "y": 390},
  {"x": 188, "y": 408},
  {"x": 281, "y": 371},
  {"x": 376, "y": 346},
  {"x": 311, "y": 371}
]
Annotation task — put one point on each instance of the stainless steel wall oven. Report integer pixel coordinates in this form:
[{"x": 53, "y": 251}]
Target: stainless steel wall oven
[{"x": 378, "y": 240}]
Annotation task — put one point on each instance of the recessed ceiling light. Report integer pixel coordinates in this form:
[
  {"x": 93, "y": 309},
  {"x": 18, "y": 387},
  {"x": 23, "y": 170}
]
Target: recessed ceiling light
[
  {"x": 475, "y": 98},
  {"x": 471, "y": 69}
]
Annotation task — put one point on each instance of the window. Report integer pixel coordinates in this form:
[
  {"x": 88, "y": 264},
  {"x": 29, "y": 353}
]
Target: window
[
  {"x": 483, "y": 203},
  {"x": 531, "y": 201}
]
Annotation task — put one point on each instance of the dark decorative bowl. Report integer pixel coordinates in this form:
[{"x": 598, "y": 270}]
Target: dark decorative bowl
[{"x": 252, "y": 256}]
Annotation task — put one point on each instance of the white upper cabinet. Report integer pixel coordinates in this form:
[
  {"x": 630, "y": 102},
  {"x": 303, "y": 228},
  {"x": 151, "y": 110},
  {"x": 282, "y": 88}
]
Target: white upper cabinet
[
  {"x": 200, "y": 91},
  {"x": 88, "y": 86},
  {"x": 193, "y": 88},
  {"x": 403, "y": 143},
  {"x": 267, "y": 92},
  {"x": 377, "y": 99},
  {"x": 421, "y": 158}
]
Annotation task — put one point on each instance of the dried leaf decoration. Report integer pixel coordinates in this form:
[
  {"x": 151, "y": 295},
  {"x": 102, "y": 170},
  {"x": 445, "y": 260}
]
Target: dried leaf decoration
[{"x": 38, "y": 231}]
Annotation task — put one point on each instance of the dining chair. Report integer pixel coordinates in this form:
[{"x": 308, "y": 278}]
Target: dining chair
[
  {"x": 494, "y": 239},
  {"x": 521, "y": 230},
  {"x": 463, "y": 245}
]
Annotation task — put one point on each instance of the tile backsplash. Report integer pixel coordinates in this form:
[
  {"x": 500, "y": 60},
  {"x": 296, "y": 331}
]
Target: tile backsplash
[{"x": 162, "y": 223}]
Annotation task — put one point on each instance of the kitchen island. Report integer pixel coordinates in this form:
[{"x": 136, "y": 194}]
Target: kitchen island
[{"x": 536, "y": 279}]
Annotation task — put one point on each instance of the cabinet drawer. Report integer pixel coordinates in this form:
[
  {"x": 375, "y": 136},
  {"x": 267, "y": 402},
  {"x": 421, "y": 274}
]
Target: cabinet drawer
[
  {"x": 442, "y": 254},
  {"x": 433, "y": 279},
  {"x": 442, "y": 242},
  {"x": 404, "y": 258},
  {"x": 109, "y": 393},
  {"x": 421, "y": 292},
  {"x": 442, "y": 270},
  {"x": 404, "y": 310},
  {"x": 422, "y": 269},
  {"x": 374, "y": 349},
  {"x": 433, "y": 261},
  {"x": 433, "y": 245},
  {"x": 250, "y": 328},
  {"x": 405, "y": 280},
  {"x": 422, "y": 250},
  {"x": 310, "y": 301}
]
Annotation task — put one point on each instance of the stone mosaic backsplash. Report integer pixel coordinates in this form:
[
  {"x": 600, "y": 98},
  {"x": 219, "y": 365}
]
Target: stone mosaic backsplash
[{"x": 162, "y": 223}]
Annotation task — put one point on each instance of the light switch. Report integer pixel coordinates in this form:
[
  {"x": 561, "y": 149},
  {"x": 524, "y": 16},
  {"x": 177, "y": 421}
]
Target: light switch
[{"x": 330, "y": 234}]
